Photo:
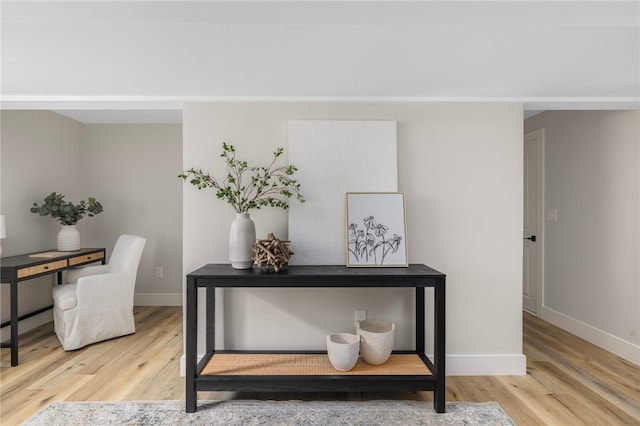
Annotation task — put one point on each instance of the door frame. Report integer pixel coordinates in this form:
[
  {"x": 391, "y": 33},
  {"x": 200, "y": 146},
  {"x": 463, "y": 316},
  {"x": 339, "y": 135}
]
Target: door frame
[{"x": 540, "y": 216}]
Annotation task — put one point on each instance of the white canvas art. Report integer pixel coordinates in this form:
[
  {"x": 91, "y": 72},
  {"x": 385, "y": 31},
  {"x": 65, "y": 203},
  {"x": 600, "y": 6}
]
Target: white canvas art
[{"x": 333, "y": 158}]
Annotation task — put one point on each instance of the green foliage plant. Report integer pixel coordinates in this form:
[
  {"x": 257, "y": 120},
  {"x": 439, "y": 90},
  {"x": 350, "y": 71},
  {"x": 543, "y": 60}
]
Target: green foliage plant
[
  {"x": 66, "y": 212},
  {"x": 249, "y": 187}
]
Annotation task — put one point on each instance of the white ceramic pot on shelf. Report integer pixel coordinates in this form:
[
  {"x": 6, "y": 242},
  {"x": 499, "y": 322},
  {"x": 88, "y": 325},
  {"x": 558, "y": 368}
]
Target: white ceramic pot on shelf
[
  {"x": 343, "y": 349},
  {"x": 68, "y": 238},
  {"x": 242, "y": 237},
  {"x": 377, "y": 340}
]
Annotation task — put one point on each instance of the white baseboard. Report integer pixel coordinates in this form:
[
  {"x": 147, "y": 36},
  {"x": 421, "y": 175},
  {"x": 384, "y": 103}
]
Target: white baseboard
[
  {"x": 463, "y": 365},
  {"x": 609, "y": 342},
  {"x": 183, "y": 364},
  {"x": 487, "y": 365},
  {"x": 28, "y": 324},
  {"x": 159, "y": 299}
]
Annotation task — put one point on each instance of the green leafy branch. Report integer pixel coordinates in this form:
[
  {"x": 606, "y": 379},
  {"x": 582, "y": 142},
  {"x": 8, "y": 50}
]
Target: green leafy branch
[
  {"x": 249, "y": 187},
  {"x": 66, "y": 212}
]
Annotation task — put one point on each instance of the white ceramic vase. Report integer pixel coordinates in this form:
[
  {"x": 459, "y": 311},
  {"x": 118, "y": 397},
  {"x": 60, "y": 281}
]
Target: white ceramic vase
[
  {"x": 242, "y": 237},
  {"x": 377, "y": 340},
  {"x": 343, "y": 349},
  {"x": 68, "y": 238}
]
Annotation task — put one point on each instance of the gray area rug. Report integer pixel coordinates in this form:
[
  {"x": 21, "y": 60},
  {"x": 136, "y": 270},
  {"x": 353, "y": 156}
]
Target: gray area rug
[{"x": 250, "y": 412}]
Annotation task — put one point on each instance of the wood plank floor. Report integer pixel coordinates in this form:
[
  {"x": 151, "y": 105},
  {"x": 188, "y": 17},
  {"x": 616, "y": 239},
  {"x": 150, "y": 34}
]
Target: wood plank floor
[{"x": 569, "y": 381}]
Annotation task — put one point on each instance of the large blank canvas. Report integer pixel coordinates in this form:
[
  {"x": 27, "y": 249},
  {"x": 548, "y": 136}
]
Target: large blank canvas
[{"x": 333, "y": 158}]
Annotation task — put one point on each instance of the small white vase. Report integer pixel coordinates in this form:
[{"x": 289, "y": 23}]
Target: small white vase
[
  {"x": 377, "y": 340},
  {"x": 68, "y": 238},
  {"x": 242, "y": 237},
  {"x": 342, "y": 349}
]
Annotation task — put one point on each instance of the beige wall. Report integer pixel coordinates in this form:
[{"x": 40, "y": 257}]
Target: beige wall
[
  {"x": 460, "y": 166},
  {"x": 592, "y": 253},
  {"x": 134, "y": 167}
]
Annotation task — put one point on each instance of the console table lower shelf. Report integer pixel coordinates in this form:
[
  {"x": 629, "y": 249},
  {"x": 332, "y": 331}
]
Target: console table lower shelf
[
  {"x": 304, "y": 372},
  {"x": 248, "y": 371},
  {"x": 234, "y": 363}
]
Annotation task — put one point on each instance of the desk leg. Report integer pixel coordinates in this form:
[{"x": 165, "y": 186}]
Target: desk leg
[
  {"x": 439, "y": 402},
  {"x": 14, "y": 321},
  {"x": 191, "y": 362}
]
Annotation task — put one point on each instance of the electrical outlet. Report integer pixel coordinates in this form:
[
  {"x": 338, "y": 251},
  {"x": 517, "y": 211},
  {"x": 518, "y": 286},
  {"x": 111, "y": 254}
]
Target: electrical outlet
[
  {"x": 159, "y": 271},
  {"x": 360, "y": 316}
]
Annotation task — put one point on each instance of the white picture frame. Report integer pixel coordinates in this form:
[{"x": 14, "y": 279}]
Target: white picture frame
[{"x": 376, "y": 229}]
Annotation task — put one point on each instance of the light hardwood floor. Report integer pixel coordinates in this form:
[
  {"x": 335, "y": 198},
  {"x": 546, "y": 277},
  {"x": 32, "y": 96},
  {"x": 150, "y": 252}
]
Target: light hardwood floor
[{"x": 569, "y": 381}]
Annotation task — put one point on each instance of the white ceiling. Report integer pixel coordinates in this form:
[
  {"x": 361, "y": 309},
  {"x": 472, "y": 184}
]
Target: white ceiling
[{"x": 138, "y": 61}]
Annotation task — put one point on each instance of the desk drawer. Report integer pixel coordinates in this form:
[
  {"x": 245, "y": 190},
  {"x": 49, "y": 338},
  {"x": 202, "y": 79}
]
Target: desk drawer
[
  {"x": 43, "y": 268},
  {"x": 91, "y": 257}
]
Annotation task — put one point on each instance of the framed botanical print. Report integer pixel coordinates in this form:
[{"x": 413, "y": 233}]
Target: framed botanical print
[{"x": 376, "y": 229}]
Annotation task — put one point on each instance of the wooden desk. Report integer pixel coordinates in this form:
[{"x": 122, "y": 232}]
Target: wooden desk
[
  {"x": 205, "y": 376},
  {"x": 28, "y": 266}
]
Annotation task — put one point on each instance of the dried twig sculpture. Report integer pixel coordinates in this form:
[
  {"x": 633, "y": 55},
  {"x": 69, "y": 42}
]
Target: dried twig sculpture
[{"x": 272, "y": 253}]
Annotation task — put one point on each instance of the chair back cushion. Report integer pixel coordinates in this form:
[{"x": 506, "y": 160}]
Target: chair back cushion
[{"x": 126, "y": 255}]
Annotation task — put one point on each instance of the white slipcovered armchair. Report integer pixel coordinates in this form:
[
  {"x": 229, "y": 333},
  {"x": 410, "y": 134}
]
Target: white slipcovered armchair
[{"x": 98, "y": 303}]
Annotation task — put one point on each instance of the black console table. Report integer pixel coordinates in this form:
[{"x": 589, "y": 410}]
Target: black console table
[
  {"x": 28, "y": 266},
  {"x": 210, "y": 374}
]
